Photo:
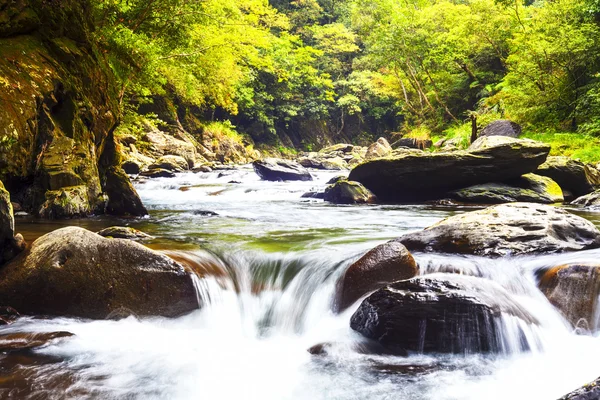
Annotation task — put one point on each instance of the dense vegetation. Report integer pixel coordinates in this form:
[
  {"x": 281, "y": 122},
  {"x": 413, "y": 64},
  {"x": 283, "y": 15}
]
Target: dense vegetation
[{"x": 352, "y": 70}]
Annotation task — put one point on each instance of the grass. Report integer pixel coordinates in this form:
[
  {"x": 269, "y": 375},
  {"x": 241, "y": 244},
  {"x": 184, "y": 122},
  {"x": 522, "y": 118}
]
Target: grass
[{"x": 578, "y": 146}]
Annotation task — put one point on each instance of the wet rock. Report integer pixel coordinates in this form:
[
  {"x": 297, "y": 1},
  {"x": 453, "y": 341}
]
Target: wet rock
[
  {"x": 205, "y": 213},
  {"x": 573, "y": 289},
  {"x": 68, "y": 202},
  {"x": 501, "y": 127},
  {"x": 420, "y": 144},
  {"x": 158, "y": 173},
  {"x": 437, "y": 313},
  {"x": 317, "y": 161},
  {"x": 123, "y": 232},
  {"x": 123, "y": 199},
  {"x": 313, "y": 195},
  {"x": 381, "y": 266},
  {"x": 131, "y": 167},
  {"x": 10, "y": 245},
  {"x": 507, "y": 229},
  {"x": 573, "y": 176},
  {"x": 335, "y": 179},
  {"x": 8, "y": 315},
  {"x": 170, "y": 163},
  {"x": 202, "y": 168},
  {"x": 348, "y": 192},
  {"x": 74, "y": 272},
  {"x": 591, "y": 391},
  {"x": 27, "y": 341},
  {"x": 272, "y": 169},
  {"x": 589, "y": 200},
  {"x": 380, "y": 148},
  {"x": 416, "y": 176}
]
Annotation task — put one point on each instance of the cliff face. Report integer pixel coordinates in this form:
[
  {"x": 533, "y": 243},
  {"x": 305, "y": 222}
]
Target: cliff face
[{"x": 57, "y": 113}]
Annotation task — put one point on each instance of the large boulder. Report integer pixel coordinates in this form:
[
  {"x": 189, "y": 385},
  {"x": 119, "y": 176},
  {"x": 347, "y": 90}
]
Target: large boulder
[
  {"x": 572, "y": 175},
  {"x": 380, "y": 148},
  {"x": 171, "y": 163},
  {"x": 272, "y": 169},
  {"x": 501, "y": 127},
  {"x": 438, "y": 313},
  {"x": 386, "y": 263},
  {"x": 319, "y": 161},
  {"x": 74, "y": 272},
  {"x": 348, "y": 192},
  {"x": 573, "y": 289},
  {"x": 416, "y": 176},
  {"x": 589, "y": 200},
  {"x": 529, "y": 188},
  {"x": 10, "y": 245},
  {"x": 123, "y": 199},
  {"x": 590, "y": 391},
  {"x": 507, "y": 229}
]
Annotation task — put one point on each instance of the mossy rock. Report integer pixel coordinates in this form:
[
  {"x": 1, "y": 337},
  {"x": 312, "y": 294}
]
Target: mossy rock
[{"x": 349, "y": 192}]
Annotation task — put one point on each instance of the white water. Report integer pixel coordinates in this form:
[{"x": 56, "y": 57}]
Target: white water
[{"x": 282, "y": 256}]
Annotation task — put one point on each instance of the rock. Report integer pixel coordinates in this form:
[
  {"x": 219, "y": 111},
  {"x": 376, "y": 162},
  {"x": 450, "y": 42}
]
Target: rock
[
  {"x": 26, "y": 341},
  {"x": 326, "y": 163},
  {"x": 501, "y": 127},
  {"x": 438, "y": 313},
  {"x": 589, "y": 200},
  {"x": 68, "y": 202},
  {"x": 421, "y": 144},
  {"x": 313, "y": 195},
  {"x": 202, "y": 168},
  {"x": 74, "y": 272},
  {"x": 8, "y": 315},
  {"x": 414, "y": 175},
  {"x": 158, "y": 173},
  {"x": 164, "y": 144},
  {"x": 131, "y": 167},
  {"x": 507, "y": 229},
  {"x": 591, "y": 391},
  {"x": 123, "y": 232},
  {"x": 574, "y": 176},
  {"x": 171, "y": 163},
  {"x": 380, "y": 148},
  {"x": 341, "y": 147},
  {"x": 573, "y": 289},
  {"x": 127, "y": 139},
  {"x": 272, "y": 169},
  {"x": 348, "y": 192},
  {"x": 386, "y": 263},
  {"x": 529, "y": 188},
  {"x": 123, "y": 199},
  {"x": 336, "y": 179},
  {"x": 10, "y": 245}
]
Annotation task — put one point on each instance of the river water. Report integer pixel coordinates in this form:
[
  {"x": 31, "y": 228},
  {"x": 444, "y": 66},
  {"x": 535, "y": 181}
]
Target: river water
[{"x": 279, "y": 256}]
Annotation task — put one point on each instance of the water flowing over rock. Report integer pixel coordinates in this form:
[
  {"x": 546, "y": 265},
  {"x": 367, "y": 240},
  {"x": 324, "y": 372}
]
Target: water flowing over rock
[
  {"x": 272, "y": 169},
  {"x": 74, "y": 272},
  {"x": 591, "y": 391},
  {"x": 348, "y": 192},
  {"x": 507, "y": 229},
  {"x": 501, "y": 127},
  {"x": 381, "y": 266},
  {"x": 441, "y": 313},
  {"x": 572, "y": 175},
  {"x": 415, "y": 175}
]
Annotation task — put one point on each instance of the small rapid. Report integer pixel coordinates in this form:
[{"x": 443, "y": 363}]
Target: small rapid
[{"x": 265, "y": 264}]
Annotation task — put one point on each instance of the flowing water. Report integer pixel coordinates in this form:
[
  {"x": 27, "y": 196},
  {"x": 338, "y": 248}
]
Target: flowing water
[{"x": 276, "y": 258}]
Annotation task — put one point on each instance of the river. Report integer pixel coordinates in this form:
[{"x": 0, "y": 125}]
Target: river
[{"x": 279, "y": 256}]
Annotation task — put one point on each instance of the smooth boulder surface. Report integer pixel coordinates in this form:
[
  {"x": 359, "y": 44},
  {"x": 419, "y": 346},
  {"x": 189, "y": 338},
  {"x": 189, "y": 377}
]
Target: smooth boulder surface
[
  {"x": 589, "y": 200},
  {"x": 437, "y": 313},
  {"x": 77, "y": 273},
  {"x": 573, "y": 289},
  {"x": 572, "y": 175},
  {"x": 272, "y": 169},
  {"x": 501, "y": 127},
  {"x": 386, "y": 263},
  {"x": 417, "y": 176},
  {"x": 507, "y": 229},
  {"x": 348, "y": 192}
]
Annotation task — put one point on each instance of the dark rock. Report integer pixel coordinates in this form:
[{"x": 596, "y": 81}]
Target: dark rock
[
  {"x": 507, "y": 229},
  {"x": 319, "y": 161},
  {"x": 589, "y": 200},
  {"x": 205, "y": 213},
  {"x": 591, "y": 391},
  {"x": 272, "y": 169},
  {"x": 437, "y": 313},
  {"x": 131, "y": 167},
  {"x": 348, "y": 192},
  {"x": 123, "y": 199},
  {"x": 417, "y": 176},
  {"x": 158, "y": 173},
  {"x": 574, "y": 176},
  {"x": 501, "y": 127},
  {"x": 313, "y": 195},
  {"x": 123, "y": 232},
  {"x": 10, "y": 245},
  {"x": 74, "y": 272},
  {"x": 381, "y": 266},
  {"x": 335, "y": 179},
  {"x": 27, "y": 341},
  {"x": 421, "y": 144}
]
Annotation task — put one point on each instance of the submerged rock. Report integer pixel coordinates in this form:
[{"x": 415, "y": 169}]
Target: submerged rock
[
  {"x": 348, "y": 192},
  {"x": 589, "y": 200},
  {"x": 438, "y": 313},
  {"x": 507, "y": 229},
  {"x": 572, "y": 175},
  {"x": 501, "y": 127},
  {"x": 272, "y": 169},
  {"x": 383, "y": 265},
  {"x": 74, "y": 272},
  {"x": 123, "y": 232},
  {"x": 416, "y": 175}
]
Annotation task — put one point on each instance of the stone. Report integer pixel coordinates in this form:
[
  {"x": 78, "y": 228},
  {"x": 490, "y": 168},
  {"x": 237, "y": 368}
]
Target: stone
[
  {"x": 158, "y": 173},
  {"x": 438, "y": 313},
  {"x": 572, "y": 175},
  {"x": 414, "y": 175},
  {"x": 341, "y": 147},
  {"x": 123, "y": 232},
  {"x": 507, "y": 229},
  {"x": 272, "y": 169},
  {"x": 589, "y": 200},
  {"x": 10, "y": 245},
  {"x": 67, "y": 202},
  {"x": 131, "y": 167},
  {"x": 421, "y": 144},
  {"x": 123, "y": 199},
  {"x": 501, "y": 127},
  {"x": 591, "y": 391},
  {"x": 171, "y": 163},
  {"x": 380, "y": 148},
  {"x": 348, "y": 192},
  {"x": 76, "y": 273},
  {"x": 20, "y": 341},
  {"x": 386, "y": 263}
]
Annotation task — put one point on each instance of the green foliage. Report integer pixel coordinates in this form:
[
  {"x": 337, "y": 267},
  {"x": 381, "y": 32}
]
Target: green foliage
[{"x": 578, "y": 146}]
